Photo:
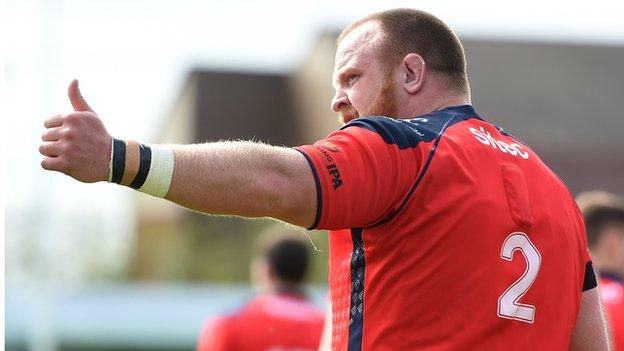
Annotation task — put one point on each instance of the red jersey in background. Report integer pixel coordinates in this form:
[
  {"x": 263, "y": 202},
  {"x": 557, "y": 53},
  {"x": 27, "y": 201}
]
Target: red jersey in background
[
  {"x": 275, "y": 322},
  {"x": 612, "y": 294}
]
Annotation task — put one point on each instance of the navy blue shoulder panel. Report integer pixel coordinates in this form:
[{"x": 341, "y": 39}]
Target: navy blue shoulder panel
[{"x": 406, "y": 133}]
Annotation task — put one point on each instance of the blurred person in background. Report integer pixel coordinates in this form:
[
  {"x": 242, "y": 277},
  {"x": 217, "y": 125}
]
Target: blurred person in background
[
  {"x": 604, "y": 221},
  {"x": 280, "y": 318},
  {"x": 446, "y": 232}
]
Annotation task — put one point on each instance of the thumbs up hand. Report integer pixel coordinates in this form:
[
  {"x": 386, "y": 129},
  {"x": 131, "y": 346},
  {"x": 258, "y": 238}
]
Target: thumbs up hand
[
  {"x": 76, "y": 99},
  {"x": 77, "y": 143}
]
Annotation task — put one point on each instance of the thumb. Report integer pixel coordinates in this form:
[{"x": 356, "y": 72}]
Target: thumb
[{"x": 76, "y": 99}]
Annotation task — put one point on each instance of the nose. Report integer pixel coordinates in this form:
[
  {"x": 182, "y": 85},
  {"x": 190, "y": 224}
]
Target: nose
[{"x": 339, "y": 102}]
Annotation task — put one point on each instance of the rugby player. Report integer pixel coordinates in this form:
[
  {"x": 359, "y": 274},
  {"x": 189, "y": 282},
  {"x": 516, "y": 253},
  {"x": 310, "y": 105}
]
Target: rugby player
[
  {"x": 280, "y": 317},
  {"x": 446, "y": 232},
  {"x": 604, "y": 222}
]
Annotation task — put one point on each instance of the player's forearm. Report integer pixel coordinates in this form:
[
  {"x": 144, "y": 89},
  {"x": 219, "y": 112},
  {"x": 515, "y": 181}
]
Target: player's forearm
[
  {"x": 243, "y": 178},
  {"x": 238, "y": 178}
]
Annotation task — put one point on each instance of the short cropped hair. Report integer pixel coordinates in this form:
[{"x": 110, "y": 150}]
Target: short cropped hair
[
  {"x": 601, "y": 210},
  {"x": 288, "y": 257},
  {"x": 413, "y": 31}
]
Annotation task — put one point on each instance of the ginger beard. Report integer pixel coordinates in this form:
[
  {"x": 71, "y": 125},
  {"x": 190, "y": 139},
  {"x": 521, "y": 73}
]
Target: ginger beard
[{"x": 384, "y": 104}]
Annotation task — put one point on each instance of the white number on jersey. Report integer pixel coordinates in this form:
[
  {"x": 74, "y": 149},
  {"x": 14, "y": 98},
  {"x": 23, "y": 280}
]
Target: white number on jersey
[{"x": 508, "y": 305}]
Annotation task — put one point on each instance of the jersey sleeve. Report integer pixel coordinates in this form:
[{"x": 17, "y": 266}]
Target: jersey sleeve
[{"x": 363, "y": 171}]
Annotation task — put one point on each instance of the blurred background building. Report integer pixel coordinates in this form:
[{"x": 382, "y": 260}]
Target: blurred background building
[{"x": 98, "y": 267}]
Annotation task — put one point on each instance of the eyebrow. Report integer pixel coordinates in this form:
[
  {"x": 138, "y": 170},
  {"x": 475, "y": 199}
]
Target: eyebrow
[{"x": 339, "y": 76}]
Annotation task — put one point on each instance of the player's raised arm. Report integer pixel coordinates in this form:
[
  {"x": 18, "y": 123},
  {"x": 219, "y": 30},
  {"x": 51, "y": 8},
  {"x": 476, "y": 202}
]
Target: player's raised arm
[
  {"x": 238, "y": 178},
  {"x": 244, "y": 178}
]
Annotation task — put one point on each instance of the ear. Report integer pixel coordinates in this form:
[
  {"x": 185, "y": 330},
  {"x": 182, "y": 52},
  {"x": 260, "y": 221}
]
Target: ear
[{"x": 414, "y": 70}]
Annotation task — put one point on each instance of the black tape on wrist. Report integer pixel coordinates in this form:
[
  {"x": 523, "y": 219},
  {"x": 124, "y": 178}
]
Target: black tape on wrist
[
  {"x": 119, "y": 160},
  {"x": 144, "y": 166}
]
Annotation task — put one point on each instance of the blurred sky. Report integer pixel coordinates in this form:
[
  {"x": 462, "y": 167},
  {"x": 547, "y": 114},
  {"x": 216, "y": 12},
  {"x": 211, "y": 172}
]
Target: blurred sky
[{"x": 132, "y": 58}]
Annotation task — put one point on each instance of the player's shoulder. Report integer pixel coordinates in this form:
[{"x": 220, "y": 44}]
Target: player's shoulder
[{"x": 407, "y": 133}]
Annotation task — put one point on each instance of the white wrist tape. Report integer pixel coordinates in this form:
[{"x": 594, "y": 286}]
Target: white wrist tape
[
  {"x": 161, "y": 171},
  {"x": 146, "y": 168}
]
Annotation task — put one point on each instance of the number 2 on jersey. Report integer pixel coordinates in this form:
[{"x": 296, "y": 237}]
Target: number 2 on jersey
[{"x": 508, "y": 305}]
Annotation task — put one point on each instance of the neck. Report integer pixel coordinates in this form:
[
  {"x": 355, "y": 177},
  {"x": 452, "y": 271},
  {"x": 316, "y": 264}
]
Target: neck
[
  {"x": 289, "y": 289},
  {"x": 434, "y": 103},
  {"x": 283, "y": 288},
  {"x": 454, "y": 100}
]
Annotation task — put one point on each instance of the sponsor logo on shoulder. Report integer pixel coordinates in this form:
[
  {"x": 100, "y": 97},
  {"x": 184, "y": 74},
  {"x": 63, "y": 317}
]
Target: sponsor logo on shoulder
[
  {"x": 332, "y": 169},
  {"x": 485, "y": 138}
]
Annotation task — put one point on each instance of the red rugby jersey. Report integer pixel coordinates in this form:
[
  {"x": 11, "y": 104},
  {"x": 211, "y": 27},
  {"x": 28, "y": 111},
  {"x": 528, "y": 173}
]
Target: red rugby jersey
[
  {"x": 276, "y": 322},
  {"x": 446, "y": 234},
  {"x": 612, "y": 295}
]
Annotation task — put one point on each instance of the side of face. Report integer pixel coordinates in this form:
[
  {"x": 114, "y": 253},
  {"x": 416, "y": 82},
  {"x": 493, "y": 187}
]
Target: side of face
[
  {"x": 358, "y": 73},
  {"x": 609, "y": 250},
  {"x": 261, "y": 276},
  {"x": 617, "y": 241}
]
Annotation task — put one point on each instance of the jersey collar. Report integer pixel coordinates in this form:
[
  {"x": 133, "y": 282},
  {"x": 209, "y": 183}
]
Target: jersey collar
[{"x": 459, "y": 110}]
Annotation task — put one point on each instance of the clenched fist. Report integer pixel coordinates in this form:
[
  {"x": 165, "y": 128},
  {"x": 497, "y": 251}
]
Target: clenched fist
[{"x": 77, "y": 143}]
